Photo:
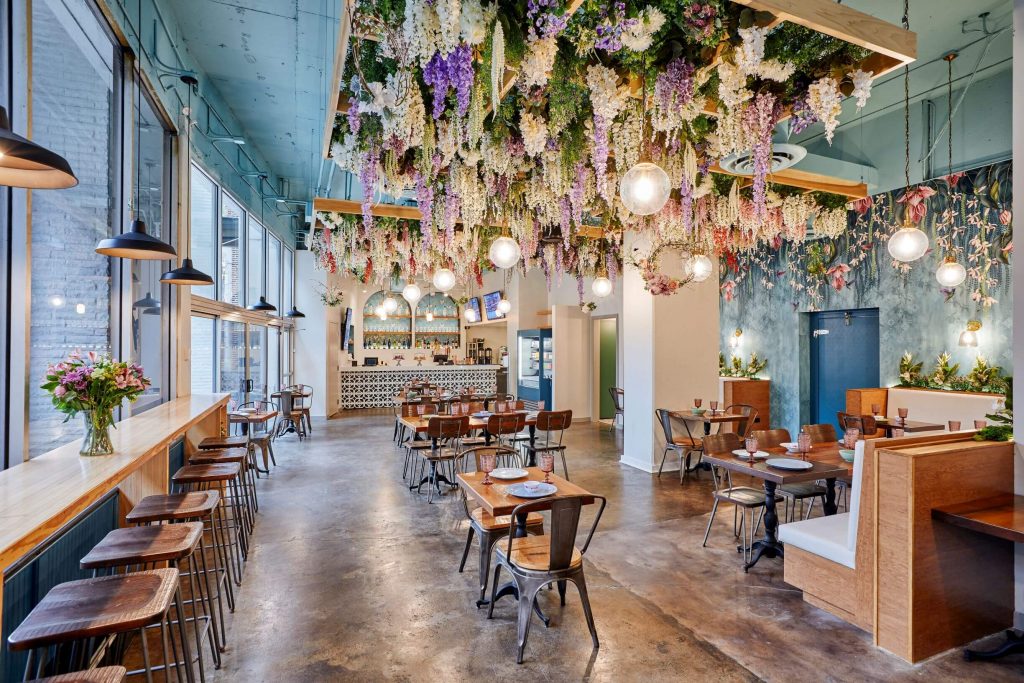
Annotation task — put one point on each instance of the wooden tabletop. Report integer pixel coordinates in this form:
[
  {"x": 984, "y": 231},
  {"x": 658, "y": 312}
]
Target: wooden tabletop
[
  {"x": 497, "y": 501},
  {"x": 707, "y": 417},
  {"x": 909, "y": 426},
  {"x": 295, "y": 394},
  {"x": 419, "y": 424},
  {"x": 999, "y": 516},
  {"x": 823, "y": 466},
  {"x": 252, "y": 418}
]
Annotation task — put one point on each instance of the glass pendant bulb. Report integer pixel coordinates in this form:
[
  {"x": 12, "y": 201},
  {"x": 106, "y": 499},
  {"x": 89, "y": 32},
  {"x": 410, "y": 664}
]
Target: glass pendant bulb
[
  {"x": 701, "y": 267},
  {"x": 601, "y": 286},
  {"x": 645, "y": 188},
  {"x": 411, "y": 293},
  {"x": 504, "y": 307},
  {"x": 429, "y": 316},
  {"x": 909, "y": 243},
  {"x": 444, "y": 279},
  {"x": 951, "y": 274},
  {"x": 504, "y": 252},
  {"x": 390, "y": 305}
]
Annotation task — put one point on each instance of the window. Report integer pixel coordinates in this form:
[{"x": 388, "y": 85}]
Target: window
[
  {"x": 254, "y": 263},
  {"x": 258, "y": 363},
  {"x": 203, "y": 353},
  {"x": 286, "y": 357},
  {"x": 232, "y": 227},
  {"x": 204, "y": 226},
  {"x": 150, "y": 312},
  {"x": 232, "y": 359},
  {"x": 273, "y": 359},
  {"x": 274, "y": 273},
  {"x": 75, "y": 72},
  {"x": 287, "y": 301}
]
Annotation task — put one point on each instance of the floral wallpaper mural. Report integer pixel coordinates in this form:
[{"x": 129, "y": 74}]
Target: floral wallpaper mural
[{"x": 966, "y": 216}]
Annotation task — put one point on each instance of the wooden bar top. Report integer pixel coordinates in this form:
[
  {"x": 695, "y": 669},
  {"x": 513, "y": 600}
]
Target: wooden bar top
[
  {"x": 999, "y": 516},
  {"x": 37, "y": 497}
]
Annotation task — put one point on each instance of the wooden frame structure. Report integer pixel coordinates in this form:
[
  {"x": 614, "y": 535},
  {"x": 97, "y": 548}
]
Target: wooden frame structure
[{"x": 891, "y": 47}]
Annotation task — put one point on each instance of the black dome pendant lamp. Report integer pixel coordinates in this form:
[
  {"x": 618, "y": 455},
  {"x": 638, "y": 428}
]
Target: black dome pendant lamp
[
  {"x": 262, "y": 305},
  {"x": 186, "y": 274},
  {"x": 23, "y": 163},
  {"x": 137, "y": 243},
  {"x": 294, "y": 313}
]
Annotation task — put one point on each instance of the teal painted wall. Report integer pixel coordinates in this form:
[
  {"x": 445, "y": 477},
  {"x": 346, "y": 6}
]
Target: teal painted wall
[{"x": 773, "y": 292}]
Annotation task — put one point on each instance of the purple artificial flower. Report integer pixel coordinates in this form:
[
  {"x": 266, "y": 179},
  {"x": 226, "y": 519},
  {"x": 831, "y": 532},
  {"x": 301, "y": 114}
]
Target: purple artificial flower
[
  {"x": 802, "y": 115},
  {"x": 759, "y": 119},
  {"x": 435, "y": 75},
  {"x": 579, "y": 288},
  {"x": 576, "y": 192},
  {"x": 600, "y": 158},
  {"x": 353, "y": 115},
  {"x": 460, "y": 75},
  {"x": 674, "y": 86},
  {"x": 425, "y": 201},
  {"x": 368, "y": 179}
]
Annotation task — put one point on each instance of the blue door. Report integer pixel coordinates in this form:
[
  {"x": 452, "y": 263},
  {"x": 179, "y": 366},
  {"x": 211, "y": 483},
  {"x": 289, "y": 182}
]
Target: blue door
[{"x": 844, "y": 355}]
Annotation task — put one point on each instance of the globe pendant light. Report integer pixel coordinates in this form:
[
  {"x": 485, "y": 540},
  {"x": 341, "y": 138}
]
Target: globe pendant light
[
  {"x": 380, "y": 312},
  {"x": 390, "y": 305},
  {"x": 137, "y": 243},
  {"x": 444, "y": 280},
  {"x": 950, "y": 274},
  {"x": 504, "y": 307},
  {"x": 23, "y": 163},
  {"x": 601, "y": 286},
  {"x": 504, "y": 252},
  {"x": 411, "y": 293},
  {"x": 645, "y": 188},
  {"x": 701, "y": 267},
  {"x": 429, "y": 316},
  {"x": 186, "y": 274},
  {"x": 261, "y": 305},
  {"x": 969, "y": 337},
  {"x": 470, "y": 315}
]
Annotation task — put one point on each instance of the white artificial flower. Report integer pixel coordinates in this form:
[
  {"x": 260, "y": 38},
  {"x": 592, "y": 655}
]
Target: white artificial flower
[
  {"x": 732, "y": 85},
  {"x": 830, "y": 222},
  {"x": 449, "y": 18},
  {"x": 497, "y": 65},
  {"x": 825, "y": 100},
  {"x": 473, "y": 28},
  {"x": 604, "y": 95},
  {"x": 639, "y": 36},
  {"x": 535, "y": 133},
  {"x": 751, "y": 50},
  {"x": 861, "y": 86},
  {"x": 774, "y": 70},
  {"x": 421, "y": 31},
  {"x": 538, "y": 62}
]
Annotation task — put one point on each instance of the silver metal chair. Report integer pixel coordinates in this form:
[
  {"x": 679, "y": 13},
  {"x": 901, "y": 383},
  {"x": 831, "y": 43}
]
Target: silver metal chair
[
  {"x": 791, "y": 493},
  {"x": 740, "y": 497},
  {"x": 617, "y": 401},
  {"x": 682, "y": 446},
  {"x": 537, "y": 561}
]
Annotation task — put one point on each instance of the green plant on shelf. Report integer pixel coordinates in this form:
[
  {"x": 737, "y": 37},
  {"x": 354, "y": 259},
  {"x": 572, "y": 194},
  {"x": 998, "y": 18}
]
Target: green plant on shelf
[
  {"x": 737, "y": 368},
  {"x": 1002, "y": 430},
  {"x": 983, "y": 377}
]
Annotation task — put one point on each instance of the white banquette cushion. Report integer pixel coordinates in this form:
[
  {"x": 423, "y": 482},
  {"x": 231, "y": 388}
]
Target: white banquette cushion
[
  {"x": 941, "y": 406},
  {"x": 833, "y": 537}
]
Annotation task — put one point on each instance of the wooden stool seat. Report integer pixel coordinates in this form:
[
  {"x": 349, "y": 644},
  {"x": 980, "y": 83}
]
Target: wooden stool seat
[
  {"x": 215, "y": 456},
  {"x": 440, "y": 454},
  {"x": 534, "y": 552},
  {"x": 144, "y": 544},
  {"x": 174, "y": 507},
  {"x": 196, "y": 474},
  {"x": 218, "y": 442},
  {"x": 105, "y": 674},
  {"x": 489, "y": 522},
  {"x": 97, "y": 607}
]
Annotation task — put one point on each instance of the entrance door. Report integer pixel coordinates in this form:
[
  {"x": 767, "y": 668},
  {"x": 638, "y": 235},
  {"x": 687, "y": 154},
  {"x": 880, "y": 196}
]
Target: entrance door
[
  {"x": 844, "y": 355},
  {"x": 607, "y": 343}
]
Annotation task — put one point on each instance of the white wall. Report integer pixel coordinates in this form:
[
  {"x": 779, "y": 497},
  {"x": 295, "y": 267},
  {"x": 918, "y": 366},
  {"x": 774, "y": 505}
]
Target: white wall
[
  {"x": 571, "y": 331},
  {"x": 317, "y": 352}
]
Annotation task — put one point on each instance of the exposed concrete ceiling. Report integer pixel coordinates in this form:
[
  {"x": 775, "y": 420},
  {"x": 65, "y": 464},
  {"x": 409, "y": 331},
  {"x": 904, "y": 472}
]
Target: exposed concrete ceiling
[{"x": 271, "y": 62}]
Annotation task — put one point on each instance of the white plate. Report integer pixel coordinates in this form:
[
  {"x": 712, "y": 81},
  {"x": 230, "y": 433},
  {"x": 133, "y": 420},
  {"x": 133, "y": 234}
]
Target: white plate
[
  {"x": 482, "y": 413},
  {"x": 520, "y": 491},
  {"x": 790, "y": 446},
  {"x": 759, "y": 455},
  {"x": 509, "y": 473},
  {"x": 789, "y": 464}
]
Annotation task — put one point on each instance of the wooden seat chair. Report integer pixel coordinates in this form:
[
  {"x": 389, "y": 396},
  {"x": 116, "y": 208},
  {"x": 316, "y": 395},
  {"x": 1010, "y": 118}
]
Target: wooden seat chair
[
  {"x": 867, "y": 425},
  {"x": 617, "y": 401},
  {"x": 502, "y": 428},
  {"x": 749, "y": 413},
  {"x": 821, "y": 433},
  {"x": 487, "y": 527},
  {"x": 683, "y": 446},
  {"x": 745, "y": 498},
  {"x": 289, "y": 416},
  {"x": 445, "y": 433},
  {"x": 303, "y": 402},
  {"x": 538, "y": 561},
  {"x": 791, "y": 493},
  {"x": 262, "y": 434},
  {"x": 553, "y": 423}
]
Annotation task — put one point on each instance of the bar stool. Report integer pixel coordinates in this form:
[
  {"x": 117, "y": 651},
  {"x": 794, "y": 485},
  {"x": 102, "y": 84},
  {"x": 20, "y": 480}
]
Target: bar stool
[
  {"x": 213, "y": 443},
  {"x": 245, "y": 458},
  {"x": 198, "y": 506},
  {"x": 76, "y": 613},
  {"x": 104, "y": 674},
  {"x": 141, "y": 546},
  {"x": 221, "y": 476}
]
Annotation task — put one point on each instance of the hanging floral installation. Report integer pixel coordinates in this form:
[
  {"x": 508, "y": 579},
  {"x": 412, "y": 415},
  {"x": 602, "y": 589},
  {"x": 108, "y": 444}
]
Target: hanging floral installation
[
  {"x": 521, "y": 117},
  {"x": 966, "y": 215}
]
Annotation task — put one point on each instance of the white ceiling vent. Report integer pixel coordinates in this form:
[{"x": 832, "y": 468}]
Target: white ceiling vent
[{"x": 784, "y": 155}]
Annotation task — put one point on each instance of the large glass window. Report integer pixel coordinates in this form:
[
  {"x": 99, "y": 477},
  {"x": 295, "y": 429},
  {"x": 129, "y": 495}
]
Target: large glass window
[
  {"x": 288, "y": 281},
  {"x": 232, "y": 359},
  {"x": 273, "y": 359},
  {"x": 274, "y": 273},
  {"x": 232, "y": 230},
  {"x": 286, "y": 358},
  {"x": 150, "y": 316},
  {"x": 74, "y": 73},
  {"x": 202, "y": 351},
  {"x": 204, "y": 226},
  {"x": 254, "y": 262},
  {"x": 258, "y": 362}
]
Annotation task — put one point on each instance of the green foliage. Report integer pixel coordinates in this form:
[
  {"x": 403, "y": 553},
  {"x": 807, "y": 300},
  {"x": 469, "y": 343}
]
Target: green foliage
[
  {"x": 737, "y": 368},
  {"x": 812, "y": 53},
  {"x": 910, "y": 372},
  {"x": 986, "y": 378},
  {"x": 944, "y": 372},
  {"x": 1002, "y": 430},
  {"x": 567, "y": 90},
  {"x": 827, "y": 200},
  {"x": 983, "y": 378}
]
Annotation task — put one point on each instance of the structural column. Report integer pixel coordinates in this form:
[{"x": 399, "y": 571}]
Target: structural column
[{"x": 670, "y": 349}]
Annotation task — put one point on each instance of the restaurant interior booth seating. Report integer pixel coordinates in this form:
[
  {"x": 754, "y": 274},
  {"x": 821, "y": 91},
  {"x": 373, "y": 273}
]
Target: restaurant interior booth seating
[{"x": 930, "y": 405}]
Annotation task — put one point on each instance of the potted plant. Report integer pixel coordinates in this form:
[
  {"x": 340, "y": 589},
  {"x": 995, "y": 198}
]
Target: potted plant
[{"x": 93, "y": 385}]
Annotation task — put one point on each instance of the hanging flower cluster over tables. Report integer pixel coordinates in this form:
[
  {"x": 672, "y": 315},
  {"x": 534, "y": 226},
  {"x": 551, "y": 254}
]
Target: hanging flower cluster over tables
[{"x": 520, "y": 119}]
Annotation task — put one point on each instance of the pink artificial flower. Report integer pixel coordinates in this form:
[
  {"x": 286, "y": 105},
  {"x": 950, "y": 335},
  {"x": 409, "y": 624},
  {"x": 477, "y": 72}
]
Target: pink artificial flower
[
  {"x": 862, "y": 206},
  {"x": 953, "y": 179},
  {"x": 914, "y": 204},
  {"x": 837, "y": 275},
  {"x": 729, "y": 290},
  {"x": 59, "y": 391},
  {"x": 92, "y": 356},
  {"x": 1008, "y": 249},
  {"x": 1005, "y": 216}
]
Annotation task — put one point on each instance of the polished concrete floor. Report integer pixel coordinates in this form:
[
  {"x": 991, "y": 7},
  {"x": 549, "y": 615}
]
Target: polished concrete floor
[{"x": 354, "y": 578}]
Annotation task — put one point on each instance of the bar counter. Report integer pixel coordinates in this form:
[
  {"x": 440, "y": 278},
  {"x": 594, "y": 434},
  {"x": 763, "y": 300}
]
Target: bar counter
[{"x": 376, "y": 386}]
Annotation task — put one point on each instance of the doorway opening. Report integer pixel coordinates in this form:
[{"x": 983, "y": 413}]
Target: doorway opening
[
  {"x": 844, "y": 355},
  {"x": 605, "y": 371}
]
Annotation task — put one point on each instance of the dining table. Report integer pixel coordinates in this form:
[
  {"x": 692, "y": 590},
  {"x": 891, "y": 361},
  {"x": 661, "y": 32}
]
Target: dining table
[
  {"x": 908, "y": 426},
  {"x": 496, "y": 500},
  {"x": 706, "y": 419},
  {"x": 825, "y": 463},
  {"x": 245, "y": 418}
]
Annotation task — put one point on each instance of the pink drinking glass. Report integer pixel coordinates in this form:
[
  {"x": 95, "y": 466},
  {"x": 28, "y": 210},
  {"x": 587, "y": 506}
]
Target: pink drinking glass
[
  {"x": 980, "y": 424},
  {"x": 547, "y": 466},
  {"x": 487, "y": 463},
  {"x": 540, "y": 405},
  {"x": 697, "y": 402},
  {"x": 803, "y": 444},
  {"x": 903, "y": 412},
  {"x": 954, "y": 425},
  {"x": 421, "y": 409},
  {"x": 850, "y": 437},
  {"x": 876, "y": 409},
  {"x": 714, "y": 407},
  {"x": 897, "y": 432},
  {"x": 751, "y": 445}
]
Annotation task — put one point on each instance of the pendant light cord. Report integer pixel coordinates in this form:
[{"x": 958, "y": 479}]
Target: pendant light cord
[
  {"x": 188, "y": 174},
  {"x": 138, "y": 119},
  {"x": 906, "y": 101},
  {"x": 949, "y": 104}
]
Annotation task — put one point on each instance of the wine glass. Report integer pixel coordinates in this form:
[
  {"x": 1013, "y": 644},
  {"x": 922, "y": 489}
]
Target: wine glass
[
  {"x": 850, "y": 437},
  {"x": 421, "y": 409},
  {"x": 980, "y": 424},
  {"x": 803, "y": 444},
  {"x": 499, "y": 406},
  {"x": 714, "y": 407},
  {"x": 751, "y": 445},
  {"x": 954, "y": 425},
  {"x": 540, "y": 405},
  {"x": 547, "y": 466},
  {"x": 697, "y": 402},
  {"x": 903, "y": 412},
  {"x": 876, "y": 409},
  {"x": 487, "y": 462}
]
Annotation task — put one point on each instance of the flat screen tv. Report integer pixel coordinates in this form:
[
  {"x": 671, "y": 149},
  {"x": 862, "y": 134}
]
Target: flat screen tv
[
  {"x": 346, "y": 329},
  {"x": 491, "y": 306},
  {"x": 474, "y": 305}
]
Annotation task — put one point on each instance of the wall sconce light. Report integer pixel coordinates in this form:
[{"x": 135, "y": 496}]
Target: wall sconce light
[
  {"x": 735, "y": 339},
  {"x": 969, "y": 337}
]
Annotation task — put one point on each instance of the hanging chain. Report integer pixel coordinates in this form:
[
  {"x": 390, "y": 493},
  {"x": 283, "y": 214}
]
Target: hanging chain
[
  {"x": 949, "y": 102},
  {"x": 906, "y": 101}
]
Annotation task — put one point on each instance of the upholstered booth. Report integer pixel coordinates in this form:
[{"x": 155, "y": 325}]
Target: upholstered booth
[{"x": 926, "y": 405}]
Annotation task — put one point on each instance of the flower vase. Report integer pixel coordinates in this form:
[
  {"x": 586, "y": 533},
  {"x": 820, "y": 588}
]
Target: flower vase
[{"x": 97, "y": 433}]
